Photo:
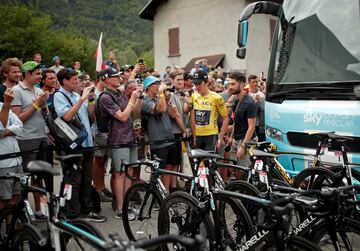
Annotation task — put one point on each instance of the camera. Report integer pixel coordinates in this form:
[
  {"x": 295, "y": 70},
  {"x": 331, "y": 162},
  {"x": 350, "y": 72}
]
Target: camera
[
  {"x": 182, "y": 94},
  {"x": 141, "y": 61},
  {"x": 171, "y": 89}
]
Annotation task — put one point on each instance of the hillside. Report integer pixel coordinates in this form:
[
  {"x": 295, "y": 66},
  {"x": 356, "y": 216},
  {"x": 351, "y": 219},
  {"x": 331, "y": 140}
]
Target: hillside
[{"x": 123, "y": 30}]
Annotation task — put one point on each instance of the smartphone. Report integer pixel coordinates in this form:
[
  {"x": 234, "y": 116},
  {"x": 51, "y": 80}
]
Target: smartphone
[
  {"x": 141, "y": 61},
  {"x": 182, "y": 94},
  {"x": 92, "y": 90},
  {"x": 227, "y": 148}
]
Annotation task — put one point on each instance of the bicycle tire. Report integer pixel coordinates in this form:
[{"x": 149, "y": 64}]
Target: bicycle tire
[
  {"x": 348, "y": 228},
  {"x": 30, "y": 237},
  {"x": 75, "y": 243},
  {"x": 193, "y": 222},
  {"x": 319, "y": 175},
  {"x": 143, "y": 226},
  {"x": 249, "y": 189},
  {"x": 295, "y": 243},
  {"x": 234, "y": 221},
  {"x": 16, "y": 220}
]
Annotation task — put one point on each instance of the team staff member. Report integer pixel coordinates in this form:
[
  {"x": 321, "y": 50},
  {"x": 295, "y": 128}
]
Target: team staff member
[
  {"x": 207, "y": 106},
  {"x": 244, "y": 116}
]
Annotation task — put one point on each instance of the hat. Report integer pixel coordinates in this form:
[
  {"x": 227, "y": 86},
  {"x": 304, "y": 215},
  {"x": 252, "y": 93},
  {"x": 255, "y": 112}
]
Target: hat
[
  {"x": 109, "y": 72},
  {"x": 149, "y": 81},
  {"x": 200, "y": 76},
  {"x": 29, "y": 66},
  {"x": 56, "y": 57},
  {"x": 126, "y": 67}
]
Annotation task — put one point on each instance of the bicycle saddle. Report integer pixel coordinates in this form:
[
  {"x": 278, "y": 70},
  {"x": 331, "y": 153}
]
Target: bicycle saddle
[
  {"x": 39, "y": 167},
  {"x": 258, "y": 153},
  {"x": 199, "y": 153}
]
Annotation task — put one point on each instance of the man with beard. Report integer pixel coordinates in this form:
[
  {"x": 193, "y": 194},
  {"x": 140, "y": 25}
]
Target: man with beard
[{"x": 244, "y": 117}]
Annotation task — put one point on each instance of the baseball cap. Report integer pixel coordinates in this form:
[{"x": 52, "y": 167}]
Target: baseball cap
[
  {"x": 149, "y": 81},
  {"x": 110, "y": 72},
  {"x": 126, "y": 67},
  {"x": 199, "y": 76},
  {"x": 29, "y": 66}
]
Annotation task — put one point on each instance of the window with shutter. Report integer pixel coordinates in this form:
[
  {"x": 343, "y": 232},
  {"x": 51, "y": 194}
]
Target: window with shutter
[{"x": 174, "y": 48}]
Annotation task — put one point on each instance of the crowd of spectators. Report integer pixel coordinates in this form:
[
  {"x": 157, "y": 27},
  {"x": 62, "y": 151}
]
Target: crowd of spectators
[{"x": 174, "y": 110}]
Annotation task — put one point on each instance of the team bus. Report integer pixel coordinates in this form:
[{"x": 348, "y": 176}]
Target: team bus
[{"x": 313, "y": 76}]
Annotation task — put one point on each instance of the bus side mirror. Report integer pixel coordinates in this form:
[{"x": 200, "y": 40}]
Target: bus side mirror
[
  {"x": 242, "y": 38},
  {"x": 242, "y": 33}
]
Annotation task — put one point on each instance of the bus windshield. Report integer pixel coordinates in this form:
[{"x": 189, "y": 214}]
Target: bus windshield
[{"x": 318, "y": 43}]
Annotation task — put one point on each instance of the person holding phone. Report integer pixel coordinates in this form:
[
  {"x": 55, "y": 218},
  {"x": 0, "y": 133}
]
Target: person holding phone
[{"x": 111, "y": 62}]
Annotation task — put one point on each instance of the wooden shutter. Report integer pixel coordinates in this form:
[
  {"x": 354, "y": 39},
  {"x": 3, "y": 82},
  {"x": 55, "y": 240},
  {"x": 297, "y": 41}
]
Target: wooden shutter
[{"x": 174, "y": 48}]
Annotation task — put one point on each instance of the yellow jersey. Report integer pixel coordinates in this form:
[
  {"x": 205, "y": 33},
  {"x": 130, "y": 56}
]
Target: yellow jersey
[{"x": 207, "y": 109}]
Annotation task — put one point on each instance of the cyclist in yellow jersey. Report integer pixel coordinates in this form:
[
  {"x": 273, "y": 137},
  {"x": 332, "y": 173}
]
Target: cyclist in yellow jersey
[{"x": 207, "y": 106}]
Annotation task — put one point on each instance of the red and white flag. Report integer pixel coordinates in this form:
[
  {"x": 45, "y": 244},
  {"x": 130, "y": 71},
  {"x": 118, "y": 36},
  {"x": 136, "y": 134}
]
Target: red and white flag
[{"x": 99, "y": 58}]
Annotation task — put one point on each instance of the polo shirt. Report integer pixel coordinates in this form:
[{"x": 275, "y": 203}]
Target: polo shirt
[
  {"x": 34, "y": 127},
  {"x": 242, "y": 112}
]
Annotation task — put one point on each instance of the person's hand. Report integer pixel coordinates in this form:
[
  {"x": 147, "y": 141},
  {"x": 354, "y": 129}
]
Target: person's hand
[
  {"x": 8, "y": 97},
  {"x": 240, "y": 152},
  {"x": 167, "y": 96},
  {"x": 162, "y": 86},
  {"x": 137, "y": 68},
  {"x": 186, "y": 100},
  {"x": 42, "y": 99},
  {"x": 218, "y": 144},
  {"x": 86, "y": 93}
]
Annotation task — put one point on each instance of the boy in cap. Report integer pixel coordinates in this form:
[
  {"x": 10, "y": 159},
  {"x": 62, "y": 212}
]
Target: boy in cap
[
  {"x": 30, "y": 105},
  {"x": 207, "y": 105}
]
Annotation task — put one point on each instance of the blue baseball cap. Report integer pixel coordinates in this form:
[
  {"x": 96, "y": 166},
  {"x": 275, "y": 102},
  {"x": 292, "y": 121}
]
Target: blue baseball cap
[{"x": 149, "y": 81}]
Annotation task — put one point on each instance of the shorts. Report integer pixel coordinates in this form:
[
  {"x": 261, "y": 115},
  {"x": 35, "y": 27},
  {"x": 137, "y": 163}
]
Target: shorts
[
  {"x": 245, "y": 160},
  {"x": 167, "y": 154},
  {"x": 9, "y": 187},
  {"x": 100, "y": 139},
  {"x": 126, "y": 154},
  {"x": 207, "y": 143}
]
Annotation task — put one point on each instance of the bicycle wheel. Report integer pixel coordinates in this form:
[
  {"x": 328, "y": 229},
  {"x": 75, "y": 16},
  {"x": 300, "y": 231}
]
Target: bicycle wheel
[
  {"x": 180, "y": 214},
  {"x": 145, "y": 205},
  {"x": 347, "y": 231},
  {"x": 295, "y": 243},
  {"x": 233, "y": 221},
  {"x": 28, "y": 237},
  {"x": 240, "y": 186},
  {"x": 316, "y": 178},
  {"x": 10, "y": 220},
  {"x": 77, "y": 243}
]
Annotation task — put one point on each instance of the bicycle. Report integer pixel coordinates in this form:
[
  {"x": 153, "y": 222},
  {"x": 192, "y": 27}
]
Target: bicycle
[{"x": 144, "y": 199}]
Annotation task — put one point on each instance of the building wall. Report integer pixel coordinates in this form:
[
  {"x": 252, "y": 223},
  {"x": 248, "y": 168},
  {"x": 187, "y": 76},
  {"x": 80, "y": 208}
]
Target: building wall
[{"x": 209, "y": 27}]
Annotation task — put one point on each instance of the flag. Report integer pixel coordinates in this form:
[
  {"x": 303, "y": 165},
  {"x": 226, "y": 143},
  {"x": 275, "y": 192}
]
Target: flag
[{"x": 99, "y": 59}]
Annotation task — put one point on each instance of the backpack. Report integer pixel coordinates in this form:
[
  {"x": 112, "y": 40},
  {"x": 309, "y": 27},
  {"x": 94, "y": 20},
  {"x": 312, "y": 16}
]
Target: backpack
[{"x": 102, "y": 119}]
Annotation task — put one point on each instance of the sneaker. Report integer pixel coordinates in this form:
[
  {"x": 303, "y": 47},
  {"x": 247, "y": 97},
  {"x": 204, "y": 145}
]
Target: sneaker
[
  {"x": 104, "y": 198},
  {"x": 118, "y": 213},
  {"x": 93, "y": 217},
  {"x": 131, "y": 216},
  {"x": 107, "y": 192},
  {"x": 134, "y": 210},
  {"x": 156, "y": 206}
]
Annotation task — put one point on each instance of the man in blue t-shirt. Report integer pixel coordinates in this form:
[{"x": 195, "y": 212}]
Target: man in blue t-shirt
[
  {"x": 244, "y": 117},
  {"x": 111, "y": 62}
]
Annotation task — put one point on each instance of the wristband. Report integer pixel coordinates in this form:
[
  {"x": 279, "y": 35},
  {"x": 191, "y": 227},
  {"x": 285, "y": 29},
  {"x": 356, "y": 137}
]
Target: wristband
[
  {"x": 161, "y": 95},
  {"x": 36, "y": 107},
  {"x": 91, "y": 102},
  {"x": 243, "y": 145},
  {"x": 131, "y": 104}
]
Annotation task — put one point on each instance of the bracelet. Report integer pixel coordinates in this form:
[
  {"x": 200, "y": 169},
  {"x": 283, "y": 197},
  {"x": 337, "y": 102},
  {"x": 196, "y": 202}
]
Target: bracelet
[
  {"x": 243, "y": 145},
  {"x": 91, "y": 102},
  {"x": 131, "y": 104},
  {"x": 36, "y": 107},
  {"x": 161, "y": 95},
  {"x": 133, "y": 73}
]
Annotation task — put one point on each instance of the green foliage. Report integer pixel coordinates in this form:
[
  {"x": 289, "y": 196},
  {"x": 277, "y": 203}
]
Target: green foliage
[{"x": 71, "y": 29}]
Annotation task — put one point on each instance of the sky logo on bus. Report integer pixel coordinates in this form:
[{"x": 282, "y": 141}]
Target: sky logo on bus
[{"x": 330, "y": 119}]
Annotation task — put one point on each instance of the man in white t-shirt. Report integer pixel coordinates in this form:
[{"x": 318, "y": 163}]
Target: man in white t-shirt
[{"x": 259, "y": 98}]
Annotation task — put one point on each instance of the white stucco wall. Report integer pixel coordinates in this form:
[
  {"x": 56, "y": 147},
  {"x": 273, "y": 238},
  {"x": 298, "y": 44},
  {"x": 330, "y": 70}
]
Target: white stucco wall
[{"x": 209, "y": 27}]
